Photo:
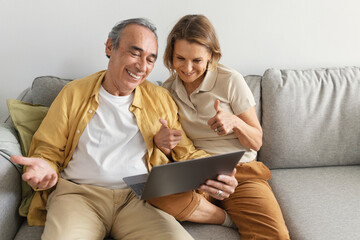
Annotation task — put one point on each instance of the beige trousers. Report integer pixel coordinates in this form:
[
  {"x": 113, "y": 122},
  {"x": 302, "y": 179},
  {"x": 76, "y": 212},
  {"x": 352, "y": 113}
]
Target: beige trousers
[{"x": 89, "y": 212}]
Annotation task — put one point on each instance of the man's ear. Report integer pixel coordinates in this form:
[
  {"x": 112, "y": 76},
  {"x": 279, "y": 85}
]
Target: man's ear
[{"x": 108, "y": 48}]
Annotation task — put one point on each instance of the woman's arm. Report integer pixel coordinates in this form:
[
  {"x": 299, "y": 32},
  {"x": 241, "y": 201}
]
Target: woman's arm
[
  {"x": 246, "y": 126},
  {"x": 248, "y": 129}
]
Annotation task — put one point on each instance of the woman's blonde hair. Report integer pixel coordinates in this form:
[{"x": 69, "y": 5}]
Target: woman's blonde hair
[{"x": 195, "y": 29}]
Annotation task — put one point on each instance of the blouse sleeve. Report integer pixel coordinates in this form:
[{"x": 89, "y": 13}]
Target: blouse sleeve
[{"x": 240, "y": 95}]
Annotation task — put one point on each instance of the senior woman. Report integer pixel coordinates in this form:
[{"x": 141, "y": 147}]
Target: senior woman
[{"x": 217, "y": 111}]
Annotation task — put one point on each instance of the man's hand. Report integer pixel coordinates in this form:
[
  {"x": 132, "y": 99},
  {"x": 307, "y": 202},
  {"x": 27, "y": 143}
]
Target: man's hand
[
  {"x": 221, "y": 188},
  {"x": 166, "y": 138},
  {"x": 223, "y": 122},
  {"x": 39, "y": 174}
]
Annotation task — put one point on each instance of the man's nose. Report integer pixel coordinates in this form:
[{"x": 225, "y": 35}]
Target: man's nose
[{"x": 142, "y": 63}]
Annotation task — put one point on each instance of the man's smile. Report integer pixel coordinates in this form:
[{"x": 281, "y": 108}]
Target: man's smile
[{"x": 133, "y": 75}]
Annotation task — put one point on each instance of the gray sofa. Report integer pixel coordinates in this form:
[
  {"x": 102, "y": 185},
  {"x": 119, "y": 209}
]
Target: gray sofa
[{"x": 311, "y": 124}]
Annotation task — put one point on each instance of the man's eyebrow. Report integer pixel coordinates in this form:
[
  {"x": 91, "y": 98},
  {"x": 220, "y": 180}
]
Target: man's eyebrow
[{"x": 136, "y": 48}]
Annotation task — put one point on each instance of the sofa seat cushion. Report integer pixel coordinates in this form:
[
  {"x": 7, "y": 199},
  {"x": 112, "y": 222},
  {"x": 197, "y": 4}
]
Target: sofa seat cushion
[
  {"x": 211, "y": 232},
  {"x": 319, "y": 203},
  {"x": 197, "y": 231}
]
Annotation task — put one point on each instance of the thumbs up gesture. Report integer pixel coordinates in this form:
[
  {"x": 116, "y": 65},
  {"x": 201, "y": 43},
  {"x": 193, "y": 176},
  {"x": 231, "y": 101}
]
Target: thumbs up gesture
[
  {"x": 166, "y": 138},
  {"x": 223, "y": 122},
  {"x": 39, "y": 174}
]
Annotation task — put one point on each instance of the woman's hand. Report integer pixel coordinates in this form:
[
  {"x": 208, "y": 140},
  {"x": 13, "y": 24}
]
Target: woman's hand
[
  {"x": 221, "y": 188},
  {"x": 166, "y": 138},
  {"x": 223, "y": 122},
  {"x": 246, "y": 126}
]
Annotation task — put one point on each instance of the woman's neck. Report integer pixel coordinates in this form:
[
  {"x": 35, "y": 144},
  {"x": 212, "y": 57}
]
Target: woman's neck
[{"x": 191, "y": 86}]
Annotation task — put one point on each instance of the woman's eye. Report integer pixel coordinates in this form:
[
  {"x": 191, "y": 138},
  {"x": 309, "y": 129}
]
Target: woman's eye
[
  {"x": 180, "y": 58},
  {"x": 197, "y": 61}
]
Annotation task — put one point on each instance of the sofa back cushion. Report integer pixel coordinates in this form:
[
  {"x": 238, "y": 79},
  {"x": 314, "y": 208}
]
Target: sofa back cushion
[
  {"x": 44, "y": 90},
  {"x": 254, "y": 81},
  {"x": 311, "y": 117}
]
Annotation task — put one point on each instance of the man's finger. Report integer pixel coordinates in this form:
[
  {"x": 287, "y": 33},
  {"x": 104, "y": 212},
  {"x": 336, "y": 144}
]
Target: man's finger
[
  {"x": 21, "y": 160},
  {"x": 53, "y": 180},
  {"x": 163, "y": 122},
  {"x": 176, "y": 132},
  {"x": 44, "y": 182},
  {"x": 27, "y": 176}
]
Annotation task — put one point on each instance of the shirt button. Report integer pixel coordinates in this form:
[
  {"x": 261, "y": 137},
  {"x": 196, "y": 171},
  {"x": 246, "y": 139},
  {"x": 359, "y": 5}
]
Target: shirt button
[
  {"x": 90, "y": 111},
  {"x": 78, "y": 131}
]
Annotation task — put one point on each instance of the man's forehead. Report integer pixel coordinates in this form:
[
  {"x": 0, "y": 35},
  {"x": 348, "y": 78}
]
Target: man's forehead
[
  {"x": 139, "y": 36},
  {"x": 138, "y": 33}
]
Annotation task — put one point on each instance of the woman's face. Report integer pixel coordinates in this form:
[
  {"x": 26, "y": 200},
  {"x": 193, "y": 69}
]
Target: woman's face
[{"x": 190, "y": 60}]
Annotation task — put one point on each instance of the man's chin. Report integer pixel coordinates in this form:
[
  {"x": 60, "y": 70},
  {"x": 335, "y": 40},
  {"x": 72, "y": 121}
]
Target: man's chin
[{"x": 134, "y": 83}]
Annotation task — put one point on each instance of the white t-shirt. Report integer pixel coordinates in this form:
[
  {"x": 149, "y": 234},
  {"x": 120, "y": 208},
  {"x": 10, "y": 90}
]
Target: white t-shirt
[{"x": 111, "y": 146}]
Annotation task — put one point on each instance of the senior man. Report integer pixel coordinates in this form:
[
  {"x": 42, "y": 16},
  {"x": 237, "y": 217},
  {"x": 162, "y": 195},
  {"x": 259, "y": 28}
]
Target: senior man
[{"x": 98, "y": 130}]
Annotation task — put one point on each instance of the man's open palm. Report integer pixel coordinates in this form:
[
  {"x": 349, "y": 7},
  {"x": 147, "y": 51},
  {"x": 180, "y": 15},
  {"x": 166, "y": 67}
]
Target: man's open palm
[{"x": 39, "y": 174}]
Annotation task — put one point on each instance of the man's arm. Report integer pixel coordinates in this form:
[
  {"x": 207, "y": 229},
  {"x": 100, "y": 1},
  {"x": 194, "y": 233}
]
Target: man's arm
[
  {"x": 50, "y": 141},
  {"x": 166, "y": 138}
]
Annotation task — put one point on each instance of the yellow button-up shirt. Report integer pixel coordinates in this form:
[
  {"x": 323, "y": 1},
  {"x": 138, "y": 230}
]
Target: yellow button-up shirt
[{"x": 72, "y": 110}]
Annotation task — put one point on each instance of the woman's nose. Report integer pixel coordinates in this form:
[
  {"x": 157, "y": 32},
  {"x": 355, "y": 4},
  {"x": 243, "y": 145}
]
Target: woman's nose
[{"x": 188, "y": 66}]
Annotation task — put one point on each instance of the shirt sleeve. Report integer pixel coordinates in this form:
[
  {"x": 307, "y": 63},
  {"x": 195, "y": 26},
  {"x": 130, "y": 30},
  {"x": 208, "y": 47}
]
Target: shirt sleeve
[
  {"x": 50, "y": 139},
  {"x": 240, "y": 95}
]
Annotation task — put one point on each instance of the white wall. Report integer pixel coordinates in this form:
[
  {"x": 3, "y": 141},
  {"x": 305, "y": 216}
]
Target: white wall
[{"x": 66, "y": 38}]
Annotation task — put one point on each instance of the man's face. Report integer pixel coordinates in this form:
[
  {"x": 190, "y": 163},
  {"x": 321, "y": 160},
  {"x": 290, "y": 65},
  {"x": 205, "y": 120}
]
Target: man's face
[{"x": 132, "y": 62}]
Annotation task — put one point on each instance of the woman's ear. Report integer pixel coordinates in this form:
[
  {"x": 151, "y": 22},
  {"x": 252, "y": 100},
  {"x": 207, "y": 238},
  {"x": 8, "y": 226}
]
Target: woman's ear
[{"x": 209, "y": 63}]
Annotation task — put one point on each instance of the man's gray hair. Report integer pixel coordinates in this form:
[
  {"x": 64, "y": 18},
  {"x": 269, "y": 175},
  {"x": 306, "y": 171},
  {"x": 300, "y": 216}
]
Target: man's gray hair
[{"x": 115, "y": 33}]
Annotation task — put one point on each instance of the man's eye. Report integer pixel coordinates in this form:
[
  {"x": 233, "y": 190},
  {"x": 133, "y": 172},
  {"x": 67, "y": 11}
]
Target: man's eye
[{"x": 135, "y": 54}]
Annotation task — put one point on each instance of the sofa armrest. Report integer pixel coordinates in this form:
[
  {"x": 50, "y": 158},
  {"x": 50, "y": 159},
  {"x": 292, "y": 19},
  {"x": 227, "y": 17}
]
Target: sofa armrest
[
  {"x": 10, "y": 197},
  {"x": 9, "y": 140},
  {"x": 10, "y": 183}
]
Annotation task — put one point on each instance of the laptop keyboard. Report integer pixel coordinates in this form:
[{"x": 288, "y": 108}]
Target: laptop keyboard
[{"x": 138, "y": 188}]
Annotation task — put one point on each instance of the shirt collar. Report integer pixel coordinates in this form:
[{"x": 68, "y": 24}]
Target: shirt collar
[
  {"x": 137, "y": 98},
  {"x": 96, "y": 89},
  {"x": 209, "y": 80},
  {"x": 137, "y": 102}
]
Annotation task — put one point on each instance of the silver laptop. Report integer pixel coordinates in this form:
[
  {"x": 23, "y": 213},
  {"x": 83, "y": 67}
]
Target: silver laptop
[{"x": 182, "y": 176}]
